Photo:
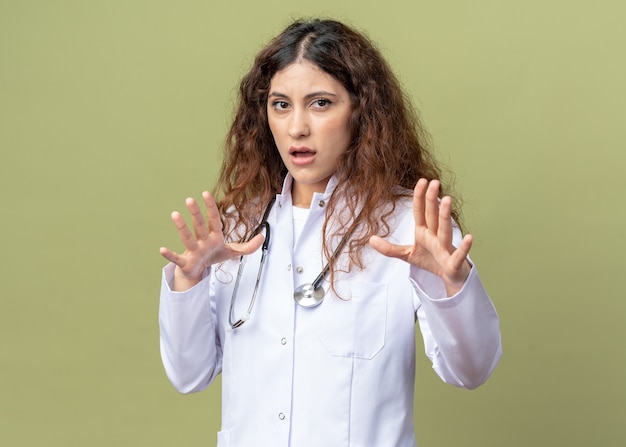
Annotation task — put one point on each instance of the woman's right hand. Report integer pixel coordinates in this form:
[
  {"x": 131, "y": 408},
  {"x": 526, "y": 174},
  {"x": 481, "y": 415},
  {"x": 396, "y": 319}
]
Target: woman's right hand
[{"x": 205, "y": 247}]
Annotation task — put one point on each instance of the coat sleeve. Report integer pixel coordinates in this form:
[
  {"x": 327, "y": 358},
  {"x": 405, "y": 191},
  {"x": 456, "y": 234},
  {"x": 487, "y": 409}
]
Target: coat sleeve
[
  {"x": 461, "y": 333},
  {"x": 189, "y": 345}
]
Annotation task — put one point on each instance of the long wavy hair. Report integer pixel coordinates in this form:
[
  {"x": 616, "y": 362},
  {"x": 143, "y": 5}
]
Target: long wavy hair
[{"x": 386, "y": 157}]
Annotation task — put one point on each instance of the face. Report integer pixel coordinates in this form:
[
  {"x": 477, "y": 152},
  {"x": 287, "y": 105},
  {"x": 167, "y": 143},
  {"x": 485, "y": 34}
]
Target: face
[{"x": 309, "y": 112}]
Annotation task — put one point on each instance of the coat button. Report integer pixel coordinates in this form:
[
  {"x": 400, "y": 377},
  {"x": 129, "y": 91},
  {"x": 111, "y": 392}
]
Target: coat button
[
  {"x": 321, "y": 204},
  {"x": 283, "y": 341},
  {"x": 281, "y": 416},
  {"x": 299, "y": 269}
]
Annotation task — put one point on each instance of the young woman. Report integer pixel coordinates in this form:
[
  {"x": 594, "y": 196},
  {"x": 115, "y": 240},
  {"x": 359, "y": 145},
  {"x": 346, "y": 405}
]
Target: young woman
[{"x": 332, "y": 237}]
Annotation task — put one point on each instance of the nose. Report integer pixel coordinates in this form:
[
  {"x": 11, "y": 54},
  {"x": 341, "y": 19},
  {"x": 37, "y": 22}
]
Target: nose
[{"x": 298, "y": 124}]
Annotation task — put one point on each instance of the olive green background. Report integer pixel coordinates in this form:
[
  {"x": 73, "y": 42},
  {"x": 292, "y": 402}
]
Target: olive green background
[{"x": 113, "y": 111}]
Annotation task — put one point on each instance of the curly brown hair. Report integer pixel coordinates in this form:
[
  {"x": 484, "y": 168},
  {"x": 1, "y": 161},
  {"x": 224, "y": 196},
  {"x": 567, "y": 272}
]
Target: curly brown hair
[{"x": 386, "y": 157}]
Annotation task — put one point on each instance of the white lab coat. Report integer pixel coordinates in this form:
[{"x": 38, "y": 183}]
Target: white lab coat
[{"x": 340, "y": 374}]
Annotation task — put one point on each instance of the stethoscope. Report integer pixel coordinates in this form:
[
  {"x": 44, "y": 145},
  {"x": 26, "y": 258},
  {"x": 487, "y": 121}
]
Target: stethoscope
[{"x": 306, "y": 295}]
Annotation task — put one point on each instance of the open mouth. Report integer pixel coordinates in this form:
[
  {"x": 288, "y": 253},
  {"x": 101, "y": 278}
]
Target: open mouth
[
  {"x": 302, "y": 152},
  {"x": 302, "y": 156}
]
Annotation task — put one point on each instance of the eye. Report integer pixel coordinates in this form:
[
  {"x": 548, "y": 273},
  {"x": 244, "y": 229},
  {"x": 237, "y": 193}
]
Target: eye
[
  {"x": 321, "y": 103},
  {"x": 280, "y": 105}
]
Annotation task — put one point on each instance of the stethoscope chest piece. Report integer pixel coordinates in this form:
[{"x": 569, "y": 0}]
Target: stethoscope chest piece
[{"x": 309, "y": 295}]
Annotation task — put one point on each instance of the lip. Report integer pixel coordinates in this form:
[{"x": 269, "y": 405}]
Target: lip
[{"x": 302, "y": 155}]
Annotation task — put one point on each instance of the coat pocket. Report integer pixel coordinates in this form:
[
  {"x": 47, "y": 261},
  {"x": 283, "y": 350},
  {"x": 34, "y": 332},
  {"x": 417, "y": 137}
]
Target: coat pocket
[{"x": 354, "y": 323}]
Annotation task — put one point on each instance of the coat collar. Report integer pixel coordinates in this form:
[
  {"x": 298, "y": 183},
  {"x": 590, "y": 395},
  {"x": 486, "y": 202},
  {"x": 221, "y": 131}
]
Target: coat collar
[{"x": 330, "y": 187}]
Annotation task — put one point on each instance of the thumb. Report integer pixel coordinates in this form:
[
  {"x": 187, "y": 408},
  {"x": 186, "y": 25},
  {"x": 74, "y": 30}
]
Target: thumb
[
  {"x": 249, "y": 247},
  {"x": 387, "y": 248}
]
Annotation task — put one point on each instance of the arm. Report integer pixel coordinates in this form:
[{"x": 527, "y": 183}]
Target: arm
[
  {"x": 188, "y": 340},
  {"x": 461, "y": 333},
  {"x": 187, "y": 317},
  {"x": 457, "y": 318}
]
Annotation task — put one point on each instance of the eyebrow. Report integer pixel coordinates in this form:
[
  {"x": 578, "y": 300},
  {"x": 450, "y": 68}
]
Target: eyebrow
[{"x": 307, "y": 97}]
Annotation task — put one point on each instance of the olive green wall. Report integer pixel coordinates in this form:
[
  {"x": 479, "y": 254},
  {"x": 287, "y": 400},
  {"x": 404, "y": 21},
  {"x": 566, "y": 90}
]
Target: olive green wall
[{"x": 112, "y": 112}]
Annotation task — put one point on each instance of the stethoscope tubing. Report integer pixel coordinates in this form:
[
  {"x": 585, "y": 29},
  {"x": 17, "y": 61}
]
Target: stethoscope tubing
[{"x": 305, "y": 295}]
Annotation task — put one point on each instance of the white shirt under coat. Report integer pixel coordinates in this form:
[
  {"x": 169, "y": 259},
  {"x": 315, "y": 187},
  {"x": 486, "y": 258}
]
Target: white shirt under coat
[{"x": 340, "y": 374}]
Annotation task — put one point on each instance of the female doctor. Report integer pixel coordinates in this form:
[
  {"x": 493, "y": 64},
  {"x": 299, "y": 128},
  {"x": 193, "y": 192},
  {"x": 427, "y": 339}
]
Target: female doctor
[{"x": 333, "y": 236}]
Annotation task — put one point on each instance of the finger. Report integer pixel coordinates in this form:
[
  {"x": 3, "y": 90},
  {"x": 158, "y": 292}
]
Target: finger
[
  {"x": 199, "y": 226},
  {"x": 213, "y": 215},
  {"x": 418, "y": 202},
  {"x": 432, "y": 206},
  {"x": 171, "y": 256},
  {"x": 388, "y": 249},
  {"x": 185, "y": 235},
  {"x": 444, "y": 233},
  {"x": 460, "y": 254}
]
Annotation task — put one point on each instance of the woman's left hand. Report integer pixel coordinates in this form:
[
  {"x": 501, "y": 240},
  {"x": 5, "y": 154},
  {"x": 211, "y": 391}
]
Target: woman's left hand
[{"x": 433, "y": 250}]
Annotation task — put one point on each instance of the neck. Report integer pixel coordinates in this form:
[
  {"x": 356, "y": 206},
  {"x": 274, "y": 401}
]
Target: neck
[
  {"x": 302, "y": 195},
  {"x": 302, "y": 205}
]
